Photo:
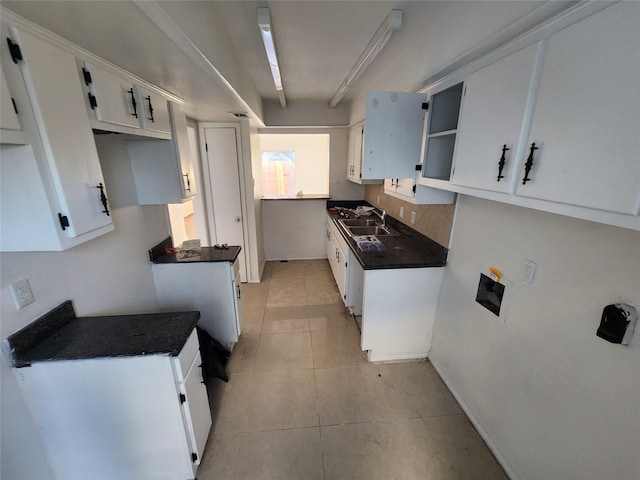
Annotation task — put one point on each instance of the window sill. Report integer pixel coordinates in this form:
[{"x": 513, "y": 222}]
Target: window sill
[{"x": 296, "y": 197}]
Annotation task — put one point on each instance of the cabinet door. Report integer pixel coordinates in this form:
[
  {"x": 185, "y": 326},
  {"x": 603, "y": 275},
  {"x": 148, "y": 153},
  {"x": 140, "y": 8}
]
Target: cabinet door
[
  {"x": 405, "y": 187},
  {"x": 587, "y": 120},
  {"x": 154, "y": 111},
  {"x": 393, "y": 134},
  {"x": 115, "y": 97},
  {"x": 182, "y": 149},
  {"x": 390, "y": 185},
  {"x": 55, "y": 91},
  {"x": 8, "y": 115},
  {"x": 196, "y": 409},
  {"x": 358, "y": 138},
  {"x": 341, "y": 273},
  {"x": 492, "y": 117}
]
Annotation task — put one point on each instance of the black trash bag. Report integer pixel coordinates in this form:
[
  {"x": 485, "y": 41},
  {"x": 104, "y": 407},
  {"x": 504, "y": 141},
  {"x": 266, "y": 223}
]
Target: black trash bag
[{"x": 214, "y": 356}]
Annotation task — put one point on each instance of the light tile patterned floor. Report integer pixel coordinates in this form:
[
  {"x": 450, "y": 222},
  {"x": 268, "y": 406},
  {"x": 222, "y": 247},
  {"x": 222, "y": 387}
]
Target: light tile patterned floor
[{"x": 303, "y": 403}]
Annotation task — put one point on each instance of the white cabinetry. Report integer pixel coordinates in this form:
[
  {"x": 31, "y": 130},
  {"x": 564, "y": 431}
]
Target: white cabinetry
[
  {"x": 212, "y": 288},
  {"x": 393, "y": 130},
  {"x": 154, "y": 114},
  {"x": 121, "y": 417},
  {"x": 10, "y": 128},
  {"x": 588, "y": 143},
  {"x": 163, "y": 169},
  {"x": 489, "y": 153},
  {"x": 441, "y": 133},
  {"x": 354, "y": 157},
  {"x": 398, "y": 312},
  {"x": 53, "y": 195},
  {"x": 409, "y": 190},
  {"x": 117, "y": 103},
  {"x": 346, "y": 270},
  {"x": 112, "y": 99},
  {"x": 570, "y": 151}
]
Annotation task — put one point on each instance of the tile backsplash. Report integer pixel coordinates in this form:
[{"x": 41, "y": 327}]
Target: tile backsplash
[{"x": 434, "y": 221}]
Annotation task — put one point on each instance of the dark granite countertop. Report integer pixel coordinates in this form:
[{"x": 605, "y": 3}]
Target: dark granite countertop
[
  {"x": 207, "y": 254},
  {"x": 60, "y": 335},
  {"x": 410, "y": 249}
]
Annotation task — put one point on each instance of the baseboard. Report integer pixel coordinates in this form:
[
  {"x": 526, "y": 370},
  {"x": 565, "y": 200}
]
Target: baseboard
[
  {"x": 408, "y": 357},
  {"x": 478, "y": 425},
  {"x": 296, "y": 258}
]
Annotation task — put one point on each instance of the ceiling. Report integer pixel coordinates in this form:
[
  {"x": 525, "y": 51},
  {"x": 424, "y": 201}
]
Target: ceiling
[{"x": 317, "y": 41}]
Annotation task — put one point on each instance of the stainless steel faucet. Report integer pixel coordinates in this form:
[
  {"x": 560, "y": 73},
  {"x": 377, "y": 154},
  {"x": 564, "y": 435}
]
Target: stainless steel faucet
[{"x": 382, "y": 216}]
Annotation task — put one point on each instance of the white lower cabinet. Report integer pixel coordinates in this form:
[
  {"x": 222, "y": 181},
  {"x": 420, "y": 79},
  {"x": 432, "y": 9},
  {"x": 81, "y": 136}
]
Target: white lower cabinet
[
  {"x": 121, "y": 417},
  {"x": 398, "y": 312},
  {"x": 212, "y": 288},
  {"x": 346, "y": 270}
]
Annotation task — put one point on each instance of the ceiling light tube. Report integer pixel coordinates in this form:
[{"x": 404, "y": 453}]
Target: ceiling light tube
[
  {"x": 264, "y": 23},
  {"x": 392, "y": 22}
]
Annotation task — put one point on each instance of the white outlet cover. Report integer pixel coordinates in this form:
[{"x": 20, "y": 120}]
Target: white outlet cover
[
  {"x": 401, "y": 212},
  {"x": 22, "y": 294},
  {"x": 413, "y": 218},
  {"x": 528, "y": 271}
]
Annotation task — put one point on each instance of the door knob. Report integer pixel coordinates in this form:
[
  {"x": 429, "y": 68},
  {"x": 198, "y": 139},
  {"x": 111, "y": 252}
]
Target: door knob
[{"x": 237, "y": 219}]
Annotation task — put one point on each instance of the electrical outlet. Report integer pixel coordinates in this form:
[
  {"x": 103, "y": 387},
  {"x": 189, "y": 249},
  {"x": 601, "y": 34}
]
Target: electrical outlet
[
  {"x": 528, "y": 271},
  {"x": 401, "y": 212},
  {"x": 22, "y": 294},
  {"x": 413, "y": 218},
  {"x": 378, "y": 201}
]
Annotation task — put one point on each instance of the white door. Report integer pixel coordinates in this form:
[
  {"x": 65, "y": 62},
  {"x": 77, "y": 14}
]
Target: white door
[{"x": 222, "y": 181}]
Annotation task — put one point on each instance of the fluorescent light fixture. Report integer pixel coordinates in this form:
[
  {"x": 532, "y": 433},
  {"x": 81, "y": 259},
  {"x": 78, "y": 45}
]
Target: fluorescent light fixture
[
  {"x": 264, "y": 23},
  {"x": 392, "y": 22}
]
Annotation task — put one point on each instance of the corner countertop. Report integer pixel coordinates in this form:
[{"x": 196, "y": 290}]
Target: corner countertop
[
  {"x": 410, "y": 249},
  {"x": 60, "y": 335},
  {"x": 207, "y": 254}
]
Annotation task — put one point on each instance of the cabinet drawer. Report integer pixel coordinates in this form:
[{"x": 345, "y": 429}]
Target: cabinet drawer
[{"x": 186, "y": 356}]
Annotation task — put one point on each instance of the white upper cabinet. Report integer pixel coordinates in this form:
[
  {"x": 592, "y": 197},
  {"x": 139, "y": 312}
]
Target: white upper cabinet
[
  {"x": 586, "y": 126},
  {"x": 393, "y": 130},
  {"x": 9, "y": 121},
  {"x": 163, "y": 169},
  {"x": 441, "y": 133},
  {"x": 492, "y": 123},
  {"x": 154, "y": 113},
  {"x": 112, "y": 99},
  {"x": 354, "y": 156},
  {"x": 53, "y": 195}
]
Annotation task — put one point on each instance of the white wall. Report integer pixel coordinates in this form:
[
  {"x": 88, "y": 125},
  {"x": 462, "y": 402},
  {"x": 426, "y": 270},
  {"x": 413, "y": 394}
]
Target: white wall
[
  {"x": 557, "y": 401},
  {"x": 108, "y": 275},
  {"x": 294, "y": 229},
  {"x": 254, "y": 238}
]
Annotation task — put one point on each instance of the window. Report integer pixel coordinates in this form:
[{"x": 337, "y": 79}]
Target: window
[
  {"x": 295, "y": 164},
  {"x": 278, "y": 173}
]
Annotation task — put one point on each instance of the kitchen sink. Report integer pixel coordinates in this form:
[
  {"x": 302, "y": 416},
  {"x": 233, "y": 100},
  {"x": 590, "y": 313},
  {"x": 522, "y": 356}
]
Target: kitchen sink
[
  {"x": 360, "y": 222},
  {"x": 366, "y": 227},
  {"x": 378, "y": 231}
]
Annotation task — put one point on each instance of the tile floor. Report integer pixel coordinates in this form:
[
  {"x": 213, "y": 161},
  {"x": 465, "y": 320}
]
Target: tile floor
[{"x": 303, "y": 403}]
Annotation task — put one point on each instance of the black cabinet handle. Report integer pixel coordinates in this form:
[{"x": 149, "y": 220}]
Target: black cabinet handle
[
  {"x": 150, "y": 109},
  {"x": 133, "y": 103},
  {"x": 103, "y": 199},
  {"x": 502, "y": 162},
  {"x": 188, "y": 188},
  {"x": 529, "y": 164}
]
